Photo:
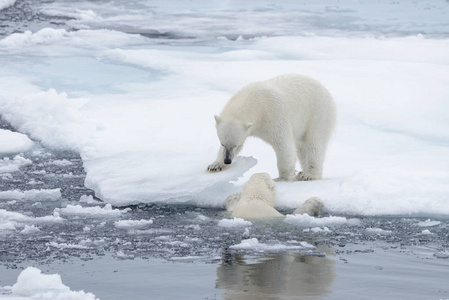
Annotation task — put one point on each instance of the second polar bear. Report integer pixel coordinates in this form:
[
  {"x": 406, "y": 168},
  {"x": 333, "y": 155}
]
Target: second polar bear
[
  {"x": 256, "y": 200},
  {"x": 258, "y": 197},
  {"x": 295, "y": 114}
]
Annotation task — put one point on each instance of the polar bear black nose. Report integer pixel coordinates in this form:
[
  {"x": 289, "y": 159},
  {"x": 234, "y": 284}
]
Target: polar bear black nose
[{"x": 227, "y": 161}]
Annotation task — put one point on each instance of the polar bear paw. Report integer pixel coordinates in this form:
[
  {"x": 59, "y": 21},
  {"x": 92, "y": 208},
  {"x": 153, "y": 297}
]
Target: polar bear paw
[
  {"x": 216, "y": 167},
  {"x": 306, "y": 177}
]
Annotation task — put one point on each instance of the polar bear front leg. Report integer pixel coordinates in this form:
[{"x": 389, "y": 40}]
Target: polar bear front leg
[
  {"x": 218, "y": 165},
  {"x": 286, "y": 160}
]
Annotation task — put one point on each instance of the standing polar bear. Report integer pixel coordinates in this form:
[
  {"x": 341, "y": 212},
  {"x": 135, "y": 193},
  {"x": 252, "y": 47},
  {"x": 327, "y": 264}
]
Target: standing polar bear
[{"x": 294, "y": 114}]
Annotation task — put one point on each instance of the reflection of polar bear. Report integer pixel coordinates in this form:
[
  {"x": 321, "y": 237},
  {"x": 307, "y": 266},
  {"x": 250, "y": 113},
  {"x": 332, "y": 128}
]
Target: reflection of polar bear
[
  {"x": 294, "y": 114},
  {"x": 256, "y": 200},
  {"x": 258, "y": 197}
]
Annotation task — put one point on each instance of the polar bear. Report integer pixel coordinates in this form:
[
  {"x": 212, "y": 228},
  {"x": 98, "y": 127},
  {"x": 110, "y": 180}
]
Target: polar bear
[
  {"x": 258, "y": 197},
  {"x": 311, "y": 206},
  {"x": 256, "y": 200},
  {"x": 294, "y": 114}
]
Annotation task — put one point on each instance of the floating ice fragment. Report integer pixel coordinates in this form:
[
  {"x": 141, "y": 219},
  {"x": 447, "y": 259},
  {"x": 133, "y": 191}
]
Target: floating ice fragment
[
  {"x": 254, "y": 245},
  {"x": 428, "y": 223},
  {"x": 95, "y": 211},
  {"x": 7, "y": 165},
  {"x": 132, "y": 224},
  {"x": 31, "y": 283},
  {"x": 89, "y": 199},
  {"x": 235, "y": 222},
  {"x": 13, "y": 142},
  {"x": 32, "y": 195},
  {"x": 308, "y": 221},
  {"x": 377, "y": 231},
  {"x": 66, "y": 246},
  {"x": 30, "y": 229},
  {"x": 441, "y": 254},
  {"x": 426, "y": 231}
]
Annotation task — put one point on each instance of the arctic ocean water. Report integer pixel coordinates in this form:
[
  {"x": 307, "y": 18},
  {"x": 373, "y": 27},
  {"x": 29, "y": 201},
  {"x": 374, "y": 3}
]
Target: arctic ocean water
[{"x": 107, "y": 127}]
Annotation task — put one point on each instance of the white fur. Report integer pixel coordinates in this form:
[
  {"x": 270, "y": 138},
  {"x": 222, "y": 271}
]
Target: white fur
[
  {"x": 294, "y": 114},
  {"x": 312, "y": 207},
  {"x": 256, "y": 200}
]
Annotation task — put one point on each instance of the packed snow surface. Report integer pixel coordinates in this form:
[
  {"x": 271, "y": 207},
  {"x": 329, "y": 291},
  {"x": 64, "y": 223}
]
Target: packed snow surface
[{"x": 135, "y": 96}]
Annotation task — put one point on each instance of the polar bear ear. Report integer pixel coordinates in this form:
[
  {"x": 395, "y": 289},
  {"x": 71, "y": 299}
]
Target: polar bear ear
[
  {"x": 217, "y": 119},
  {"x": 248, "y": 126}
]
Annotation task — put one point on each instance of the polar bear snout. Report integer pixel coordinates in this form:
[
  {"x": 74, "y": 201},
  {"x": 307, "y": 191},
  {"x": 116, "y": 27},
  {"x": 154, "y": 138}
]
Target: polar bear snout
[{"x": 228, "y": 155}]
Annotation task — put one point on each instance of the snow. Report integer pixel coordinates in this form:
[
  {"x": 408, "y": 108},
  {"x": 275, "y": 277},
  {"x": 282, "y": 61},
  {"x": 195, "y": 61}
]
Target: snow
[
  {"x": 32, "y": 195},
  {"x": 32, "y": 284},
  {"x": 6, "y": 3},
  {"x": 253, "y": 244},
  {"x": 234, "y": 222},
  {"x": 140, "y": 110},
  {"x": 95, "y": 211},
  {"x": 14, "y": 142},
  {"x": 132, "y": 224}
]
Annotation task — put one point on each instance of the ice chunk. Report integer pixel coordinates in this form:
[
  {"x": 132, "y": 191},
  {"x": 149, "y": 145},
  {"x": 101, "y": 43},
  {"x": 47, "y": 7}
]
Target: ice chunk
[
  {"x": 89, "y": 199},
  {"x": 14, "y": 142},
  {"x": 21, "y": 218},
  {"x": 235, "y": 222},
  {"x": 30, "y": 229},
  {"x": 35, "y": 285},
  {"x": 6, "y": 3},
  {"x": 307, "y": 221},
  {"x": 96, "y": 211},
  {"x": 378, "y": 231},
  {"x": 428, "y": 223},
  {"x": 132, "y": 224},
  {"x": 32, "y": 195},
  {"x": 254, "y": 245},
  {"x": 7, "y": 165}
]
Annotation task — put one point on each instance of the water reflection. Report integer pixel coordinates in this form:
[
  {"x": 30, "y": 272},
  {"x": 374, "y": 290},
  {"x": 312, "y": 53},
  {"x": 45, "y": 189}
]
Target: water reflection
[{"x": 277, "y": 276}]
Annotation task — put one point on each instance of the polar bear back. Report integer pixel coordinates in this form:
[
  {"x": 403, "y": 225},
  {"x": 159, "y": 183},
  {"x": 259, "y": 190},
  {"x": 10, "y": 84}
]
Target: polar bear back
[{"x": 296, "y": 101}]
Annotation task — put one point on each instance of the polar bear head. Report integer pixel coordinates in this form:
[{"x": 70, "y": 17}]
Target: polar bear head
[
  {"x": 232, "y": 134},
  {"x": 260, "y": 187}
]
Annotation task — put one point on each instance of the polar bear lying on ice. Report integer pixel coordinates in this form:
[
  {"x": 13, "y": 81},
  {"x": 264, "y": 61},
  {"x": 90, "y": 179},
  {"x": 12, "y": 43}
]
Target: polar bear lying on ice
[
  {"x": 258, "y": 197},
  {"x": 294, "y": 114}
]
